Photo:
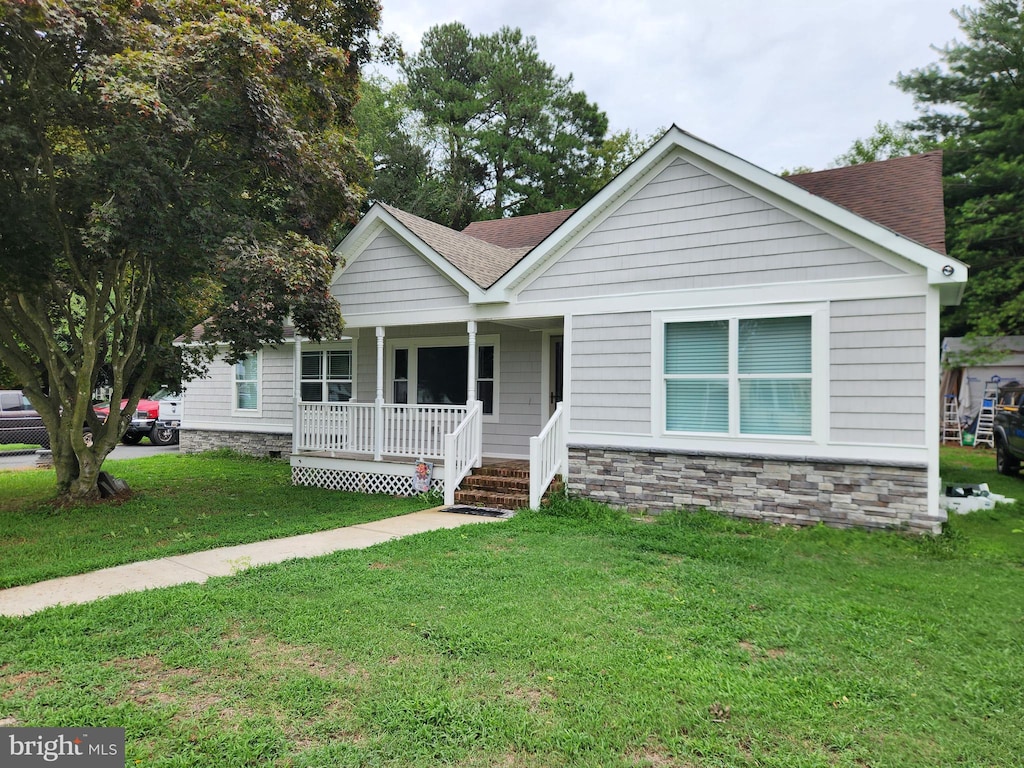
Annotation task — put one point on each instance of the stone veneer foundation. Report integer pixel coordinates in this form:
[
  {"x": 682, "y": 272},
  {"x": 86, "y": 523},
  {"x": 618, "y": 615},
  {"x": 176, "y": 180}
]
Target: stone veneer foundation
[
  {"x": 793, "y": 491},
  {"x": 252, "y": 443}
]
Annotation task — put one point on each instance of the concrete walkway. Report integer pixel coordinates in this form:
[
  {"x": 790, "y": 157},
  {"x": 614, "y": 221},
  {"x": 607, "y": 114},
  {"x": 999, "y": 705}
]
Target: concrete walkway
[{"x": 200, "y": 566}]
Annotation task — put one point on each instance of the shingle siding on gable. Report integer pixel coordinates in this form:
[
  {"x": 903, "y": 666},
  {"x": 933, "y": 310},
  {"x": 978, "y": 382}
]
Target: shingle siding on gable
[
  {"x": 686, "y": 229},
  {"x": 389, "y": 271},
  {"x": 878, "y": 371}
]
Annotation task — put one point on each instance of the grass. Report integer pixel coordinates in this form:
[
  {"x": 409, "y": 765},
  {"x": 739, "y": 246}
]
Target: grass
[
  {"x": 181, "y": 504},
  {"x": 572, "y": 637}
]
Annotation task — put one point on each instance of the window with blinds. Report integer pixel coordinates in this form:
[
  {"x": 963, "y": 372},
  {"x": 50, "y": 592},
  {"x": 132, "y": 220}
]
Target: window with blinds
[
  {"x": 326, "y": 376},
  {"x": 749, "y": 376}
]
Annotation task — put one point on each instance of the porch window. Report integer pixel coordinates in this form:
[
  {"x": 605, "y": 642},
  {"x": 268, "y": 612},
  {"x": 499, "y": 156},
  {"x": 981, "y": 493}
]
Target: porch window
[
  {"x": 442, "y": 373},
  {"x": 247, "y": 383},
  {"x": 326, "y": 376},
  {"x": 747, "y": 376}
]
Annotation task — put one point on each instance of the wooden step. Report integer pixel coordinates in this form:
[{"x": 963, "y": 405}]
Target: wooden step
[{"x": 499, "y": 487}]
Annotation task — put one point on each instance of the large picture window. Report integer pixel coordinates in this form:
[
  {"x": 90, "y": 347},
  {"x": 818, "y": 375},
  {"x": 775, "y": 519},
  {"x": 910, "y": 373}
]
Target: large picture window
[
  {"x": 326, "y": 376},
  {"x": 247, "y": 394},
  {"x": 441, "y": 375},
  {"x": 748, "y": 376}
]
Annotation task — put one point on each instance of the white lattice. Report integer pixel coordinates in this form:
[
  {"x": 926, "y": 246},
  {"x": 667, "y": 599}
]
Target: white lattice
[{"x": 360, "y": 482}]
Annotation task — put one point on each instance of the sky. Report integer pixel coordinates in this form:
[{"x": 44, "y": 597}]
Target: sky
[{"x": 780, "y": 83}]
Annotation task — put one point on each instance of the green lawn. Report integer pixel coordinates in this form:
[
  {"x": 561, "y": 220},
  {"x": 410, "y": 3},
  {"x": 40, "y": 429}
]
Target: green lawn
[
  {"x": 576, "y": 636},
  {"x": 181, "y": 504}
]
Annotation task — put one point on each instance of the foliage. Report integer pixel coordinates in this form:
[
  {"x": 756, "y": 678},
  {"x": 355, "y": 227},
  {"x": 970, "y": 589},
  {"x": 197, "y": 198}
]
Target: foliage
[
  {"x": 973, "y": 103},
  {"x": 163, "y": 163},
  {"x": 584, "y": 639},
  {"x": 503, "y": 133},
  {"x": 886, "y": 142}
]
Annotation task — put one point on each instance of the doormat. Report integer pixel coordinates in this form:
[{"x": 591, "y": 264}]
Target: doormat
[{"x": 461, "y": 509}]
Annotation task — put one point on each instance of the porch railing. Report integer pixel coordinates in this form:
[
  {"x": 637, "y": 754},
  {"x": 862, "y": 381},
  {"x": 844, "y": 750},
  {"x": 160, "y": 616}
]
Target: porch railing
[
  {"x": 547, "y": 456},
  {"x": 416, "y": 431},
  {"x": 463, "y": 450}
]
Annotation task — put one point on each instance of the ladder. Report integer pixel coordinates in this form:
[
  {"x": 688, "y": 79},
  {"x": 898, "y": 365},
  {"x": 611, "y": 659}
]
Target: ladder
[
  {"x": 983, "y": 434},
  {"x": 951, "y": 430}
]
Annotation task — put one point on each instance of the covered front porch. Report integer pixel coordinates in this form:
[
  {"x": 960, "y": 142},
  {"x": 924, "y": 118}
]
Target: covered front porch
[{"x": 377, "y": 445}]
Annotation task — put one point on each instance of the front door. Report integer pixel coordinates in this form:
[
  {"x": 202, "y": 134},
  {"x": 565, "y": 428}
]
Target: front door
[{"x": 556, "y": 373}]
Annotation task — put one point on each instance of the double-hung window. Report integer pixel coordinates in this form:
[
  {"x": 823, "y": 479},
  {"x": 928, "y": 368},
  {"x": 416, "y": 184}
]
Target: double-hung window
[
  {"x": 438, "y": 374},
  {"x": 247, "y": 394},
  {"x": 739, "y": 376},
  {"x": 326, "y": 376}
]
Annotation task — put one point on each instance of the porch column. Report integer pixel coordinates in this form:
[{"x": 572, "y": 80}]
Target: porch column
[
  {"x": 471, "y": 384},
  {"x": 297, "y": 396},
  {"x": 378, "y": 410}
]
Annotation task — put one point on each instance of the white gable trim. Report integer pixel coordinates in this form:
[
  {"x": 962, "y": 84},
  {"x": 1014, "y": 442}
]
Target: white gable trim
[
  {"x": 833, "y": 219},
  {"x": 377, "y": 220}
]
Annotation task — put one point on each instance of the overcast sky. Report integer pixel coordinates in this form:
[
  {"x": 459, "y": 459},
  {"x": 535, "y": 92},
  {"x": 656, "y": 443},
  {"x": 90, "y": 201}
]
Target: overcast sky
[{"x": 781, "y": 83}]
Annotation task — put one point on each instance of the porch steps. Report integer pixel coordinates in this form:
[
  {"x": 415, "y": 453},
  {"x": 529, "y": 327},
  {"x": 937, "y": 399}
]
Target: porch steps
[{"x": 500, "y": 486}]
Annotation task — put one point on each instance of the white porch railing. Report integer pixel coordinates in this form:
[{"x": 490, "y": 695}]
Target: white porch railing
[
  {"x": 463, "y": 450},
  {"x": 416, "y": 431},
  {"x": 547, "y": 456}
]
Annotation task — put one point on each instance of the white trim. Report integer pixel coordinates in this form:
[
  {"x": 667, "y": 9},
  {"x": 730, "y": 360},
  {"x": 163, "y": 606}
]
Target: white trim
[
  {"x": 250, "y": 413},
  {"x": 236, "y": 426},
  {"x": 933, "y": 400},
  {"x": 820, "y": 417},
  {"x": 415, "y": 343}
]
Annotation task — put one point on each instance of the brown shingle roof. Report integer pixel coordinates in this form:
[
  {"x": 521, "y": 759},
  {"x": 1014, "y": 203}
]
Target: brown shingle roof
[
  {"x": 903, "y": 194},
  {"x": 480, "y": 261},
  {"x": 519, "y": 232}
]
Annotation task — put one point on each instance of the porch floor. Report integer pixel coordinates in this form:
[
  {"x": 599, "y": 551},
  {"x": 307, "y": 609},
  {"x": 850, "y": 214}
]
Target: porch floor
[{"x": 487, "y": 461}]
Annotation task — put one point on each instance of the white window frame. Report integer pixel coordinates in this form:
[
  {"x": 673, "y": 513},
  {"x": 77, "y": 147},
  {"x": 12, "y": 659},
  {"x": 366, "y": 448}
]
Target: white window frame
[
  {"x": 414, "y": 345},
  {"x": 818, "y": 312},
  {"x": 323, "y": 380},
  {"x": 258, "y": 381}
]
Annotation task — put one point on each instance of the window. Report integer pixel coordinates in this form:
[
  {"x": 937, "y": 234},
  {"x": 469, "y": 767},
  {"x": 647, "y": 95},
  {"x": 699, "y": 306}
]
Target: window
[
  {"x": 326, "y": 376},
  {"x": 441, "y": 375},
  {"x": 749, "y": 376},
  {"x": 247, "y": 383}
]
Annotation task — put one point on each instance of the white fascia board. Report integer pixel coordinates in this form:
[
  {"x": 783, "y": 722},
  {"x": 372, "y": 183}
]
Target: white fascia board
[
  {"x": 829, "y": 217},
  {"x": 378, "y": 219}
]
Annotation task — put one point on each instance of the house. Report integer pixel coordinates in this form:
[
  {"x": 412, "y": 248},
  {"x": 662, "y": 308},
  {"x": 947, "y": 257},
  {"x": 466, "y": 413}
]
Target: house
[
  {"x": 971, "y": 364},
  {"x": 701, "y": 333}
]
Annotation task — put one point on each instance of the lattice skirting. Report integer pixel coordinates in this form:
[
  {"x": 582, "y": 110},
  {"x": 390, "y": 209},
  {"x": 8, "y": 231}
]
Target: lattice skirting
[{"x": 359, "y": 482}]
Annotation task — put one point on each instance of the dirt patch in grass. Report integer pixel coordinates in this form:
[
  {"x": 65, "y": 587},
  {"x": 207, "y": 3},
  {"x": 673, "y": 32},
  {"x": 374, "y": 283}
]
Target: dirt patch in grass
[
  {"x": 25, "y": 684},
  {"x": 758, "y": 654}
]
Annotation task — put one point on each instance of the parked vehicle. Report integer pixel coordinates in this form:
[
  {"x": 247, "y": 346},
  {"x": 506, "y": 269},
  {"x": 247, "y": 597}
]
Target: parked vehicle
[
  {"x": 19, "y": 422},
  {"x": 1008, "y": 430},
  {"x": 157, "y": 417}
]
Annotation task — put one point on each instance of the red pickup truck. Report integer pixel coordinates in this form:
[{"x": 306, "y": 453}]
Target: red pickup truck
[{"x": 148, "y": 421}]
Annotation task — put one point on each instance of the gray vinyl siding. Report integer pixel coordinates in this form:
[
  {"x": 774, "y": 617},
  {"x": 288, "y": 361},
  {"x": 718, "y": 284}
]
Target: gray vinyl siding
[
  {"x": 519, "y": 385},
  {"x": 611, "y": 373},
  {"x": 878, "y": 376},
  {"x": 389, "y": 273},
  {"x": 211, "y": 400},
  {"x": 686, "y": 229}
]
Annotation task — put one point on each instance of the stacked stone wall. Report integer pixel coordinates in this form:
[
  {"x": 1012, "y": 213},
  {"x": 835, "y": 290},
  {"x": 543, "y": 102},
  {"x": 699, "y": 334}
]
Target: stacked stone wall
[
  {"x": 251, "y": 443},
  {"x": 800, "y": 492}
]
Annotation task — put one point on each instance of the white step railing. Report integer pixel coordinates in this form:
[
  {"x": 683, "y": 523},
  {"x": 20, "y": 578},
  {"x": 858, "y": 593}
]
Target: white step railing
[
  {"x": 463, "y": 450},
  {"x": 547, "y": 456}
]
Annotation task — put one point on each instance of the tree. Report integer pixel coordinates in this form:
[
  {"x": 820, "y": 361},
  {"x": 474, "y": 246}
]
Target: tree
[
  {"x": 888, "y": 141},
  {"x": 514, "y": 138},
  {"x": 973, "y": 103},
  {"x": 162, "y": 163}
]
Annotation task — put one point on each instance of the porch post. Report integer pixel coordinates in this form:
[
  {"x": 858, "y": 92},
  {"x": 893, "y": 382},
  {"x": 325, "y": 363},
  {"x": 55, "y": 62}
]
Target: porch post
[
  {"x": 471, "y": 384},
  {"x": 297, "y": 395},
  {"x": 378, "y": 411}
]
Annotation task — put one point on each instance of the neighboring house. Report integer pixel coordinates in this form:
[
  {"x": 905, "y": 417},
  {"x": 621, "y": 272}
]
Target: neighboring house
[{"x": 701, "y": 333}]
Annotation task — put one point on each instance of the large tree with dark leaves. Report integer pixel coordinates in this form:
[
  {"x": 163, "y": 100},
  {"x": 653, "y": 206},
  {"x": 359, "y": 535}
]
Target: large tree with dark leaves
[
  {"x": 515, "y": 137},
  {"x": 164, "y": 162},
  {"x": 972, "y": 102}
]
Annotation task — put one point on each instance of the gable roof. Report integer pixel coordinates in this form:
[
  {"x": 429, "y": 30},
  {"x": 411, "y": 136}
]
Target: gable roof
[
  {"x": 903, "y": 194},
  {"x": 892, "y": 205},
  {"x": 519, "y": 231}
]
